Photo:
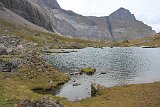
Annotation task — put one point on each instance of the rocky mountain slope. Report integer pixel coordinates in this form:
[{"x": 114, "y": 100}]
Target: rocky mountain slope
[{"x": 120, "y": 25}]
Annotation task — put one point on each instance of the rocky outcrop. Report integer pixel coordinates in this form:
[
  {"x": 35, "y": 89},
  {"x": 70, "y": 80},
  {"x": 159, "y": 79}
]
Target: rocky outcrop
[
  {"x": 44, "y": 102},
  {"x": 120, "y": 25},
  {"x": 11, "y": 42}
]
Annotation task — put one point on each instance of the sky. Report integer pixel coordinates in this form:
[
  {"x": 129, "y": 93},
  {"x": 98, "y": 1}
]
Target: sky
[{"x": 147, "y": 11}]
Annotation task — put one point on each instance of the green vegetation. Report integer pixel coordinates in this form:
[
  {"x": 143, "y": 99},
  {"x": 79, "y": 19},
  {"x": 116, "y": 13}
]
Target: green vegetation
[
  {"x": 1, "y": 95},
  {"x": 88, "y": 71},
  {"x": 34, "y": 74}
]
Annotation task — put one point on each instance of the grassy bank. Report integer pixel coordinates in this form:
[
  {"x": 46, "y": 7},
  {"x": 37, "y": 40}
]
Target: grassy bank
[
  {"x": 140, "y": 95},
  {"x": 33, "y": 74}
]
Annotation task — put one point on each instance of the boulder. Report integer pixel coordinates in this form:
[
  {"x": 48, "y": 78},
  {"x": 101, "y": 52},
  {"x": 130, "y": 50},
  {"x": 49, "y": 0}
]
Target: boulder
[
  {"x": 10, "y": 50},
  {"x": 2, "y": 46},
  {"x": 3, "y": 52},
  {"x": 8, "y": 67},
  {"x": 95, "y": 88}
]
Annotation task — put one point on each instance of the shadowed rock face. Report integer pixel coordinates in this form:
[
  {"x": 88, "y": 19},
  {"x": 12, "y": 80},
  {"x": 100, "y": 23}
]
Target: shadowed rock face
[
  {"x": 27, "y": 10},
  {"x": 120, "y": 25}
]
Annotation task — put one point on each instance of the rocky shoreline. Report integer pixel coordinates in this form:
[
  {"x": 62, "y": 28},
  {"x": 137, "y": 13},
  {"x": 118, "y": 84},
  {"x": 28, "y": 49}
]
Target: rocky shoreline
[{"x": 20, "y": 63}]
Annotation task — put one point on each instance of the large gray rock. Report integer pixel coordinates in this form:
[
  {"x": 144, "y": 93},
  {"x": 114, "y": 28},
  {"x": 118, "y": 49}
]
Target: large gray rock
[
  {"x": 95, "y": 88},
  {"x": 120, "y": 25},
  {"x": 3, "y": 50}
]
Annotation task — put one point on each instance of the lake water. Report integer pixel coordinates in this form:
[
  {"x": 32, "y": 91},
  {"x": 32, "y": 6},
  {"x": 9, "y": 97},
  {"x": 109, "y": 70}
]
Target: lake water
[{"x": 120, "y": 66}]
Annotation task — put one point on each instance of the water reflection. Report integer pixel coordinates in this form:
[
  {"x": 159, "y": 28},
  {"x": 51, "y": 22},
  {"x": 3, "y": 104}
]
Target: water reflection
[{"x": 119, "y": 66}]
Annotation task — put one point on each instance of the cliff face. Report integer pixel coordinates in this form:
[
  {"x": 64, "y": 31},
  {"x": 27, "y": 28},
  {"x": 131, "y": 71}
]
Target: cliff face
[
  {"x": 29, "y": 11},
  {"x": 120, "y": 25}
]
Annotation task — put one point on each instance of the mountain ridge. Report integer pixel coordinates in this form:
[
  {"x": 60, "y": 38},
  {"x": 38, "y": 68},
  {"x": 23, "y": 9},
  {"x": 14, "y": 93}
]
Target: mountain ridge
[{"x": 119, "y": 25}]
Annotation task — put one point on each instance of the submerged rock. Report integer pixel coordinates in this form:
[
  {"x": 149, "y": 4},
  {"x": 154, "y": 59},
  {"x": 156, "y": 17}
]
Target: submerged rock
[
  {"x": 149, "y": 46},
  {"x": 74, "y": 73},
  {"x": 88, "y": 71},
  {"x": 103, "y": 73},
  {"x": 76, "y": 84}
]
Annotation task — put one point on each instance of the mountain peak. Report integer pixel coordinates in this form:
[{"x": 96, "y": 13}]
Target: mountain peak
[
  {"x": 122, "y": 9},
  {"x": 122, "y": 14},
  {"x": 53, "y": 4}
]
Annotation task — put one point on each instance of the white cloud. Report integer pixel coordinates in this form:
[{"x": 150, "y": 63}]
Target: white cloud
[
  {"x": 144, "y": 10},
  {"x": 156, "y": 27}
]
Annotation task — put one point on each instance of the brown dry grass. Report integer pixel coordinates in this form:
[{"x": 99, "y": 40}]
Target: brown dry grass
[{"x": 141, "y": 95}]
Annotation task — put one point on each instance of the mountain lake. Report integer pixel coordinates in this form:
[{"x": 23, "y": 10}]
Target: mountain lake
[{"x": 114, "y": 67}]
